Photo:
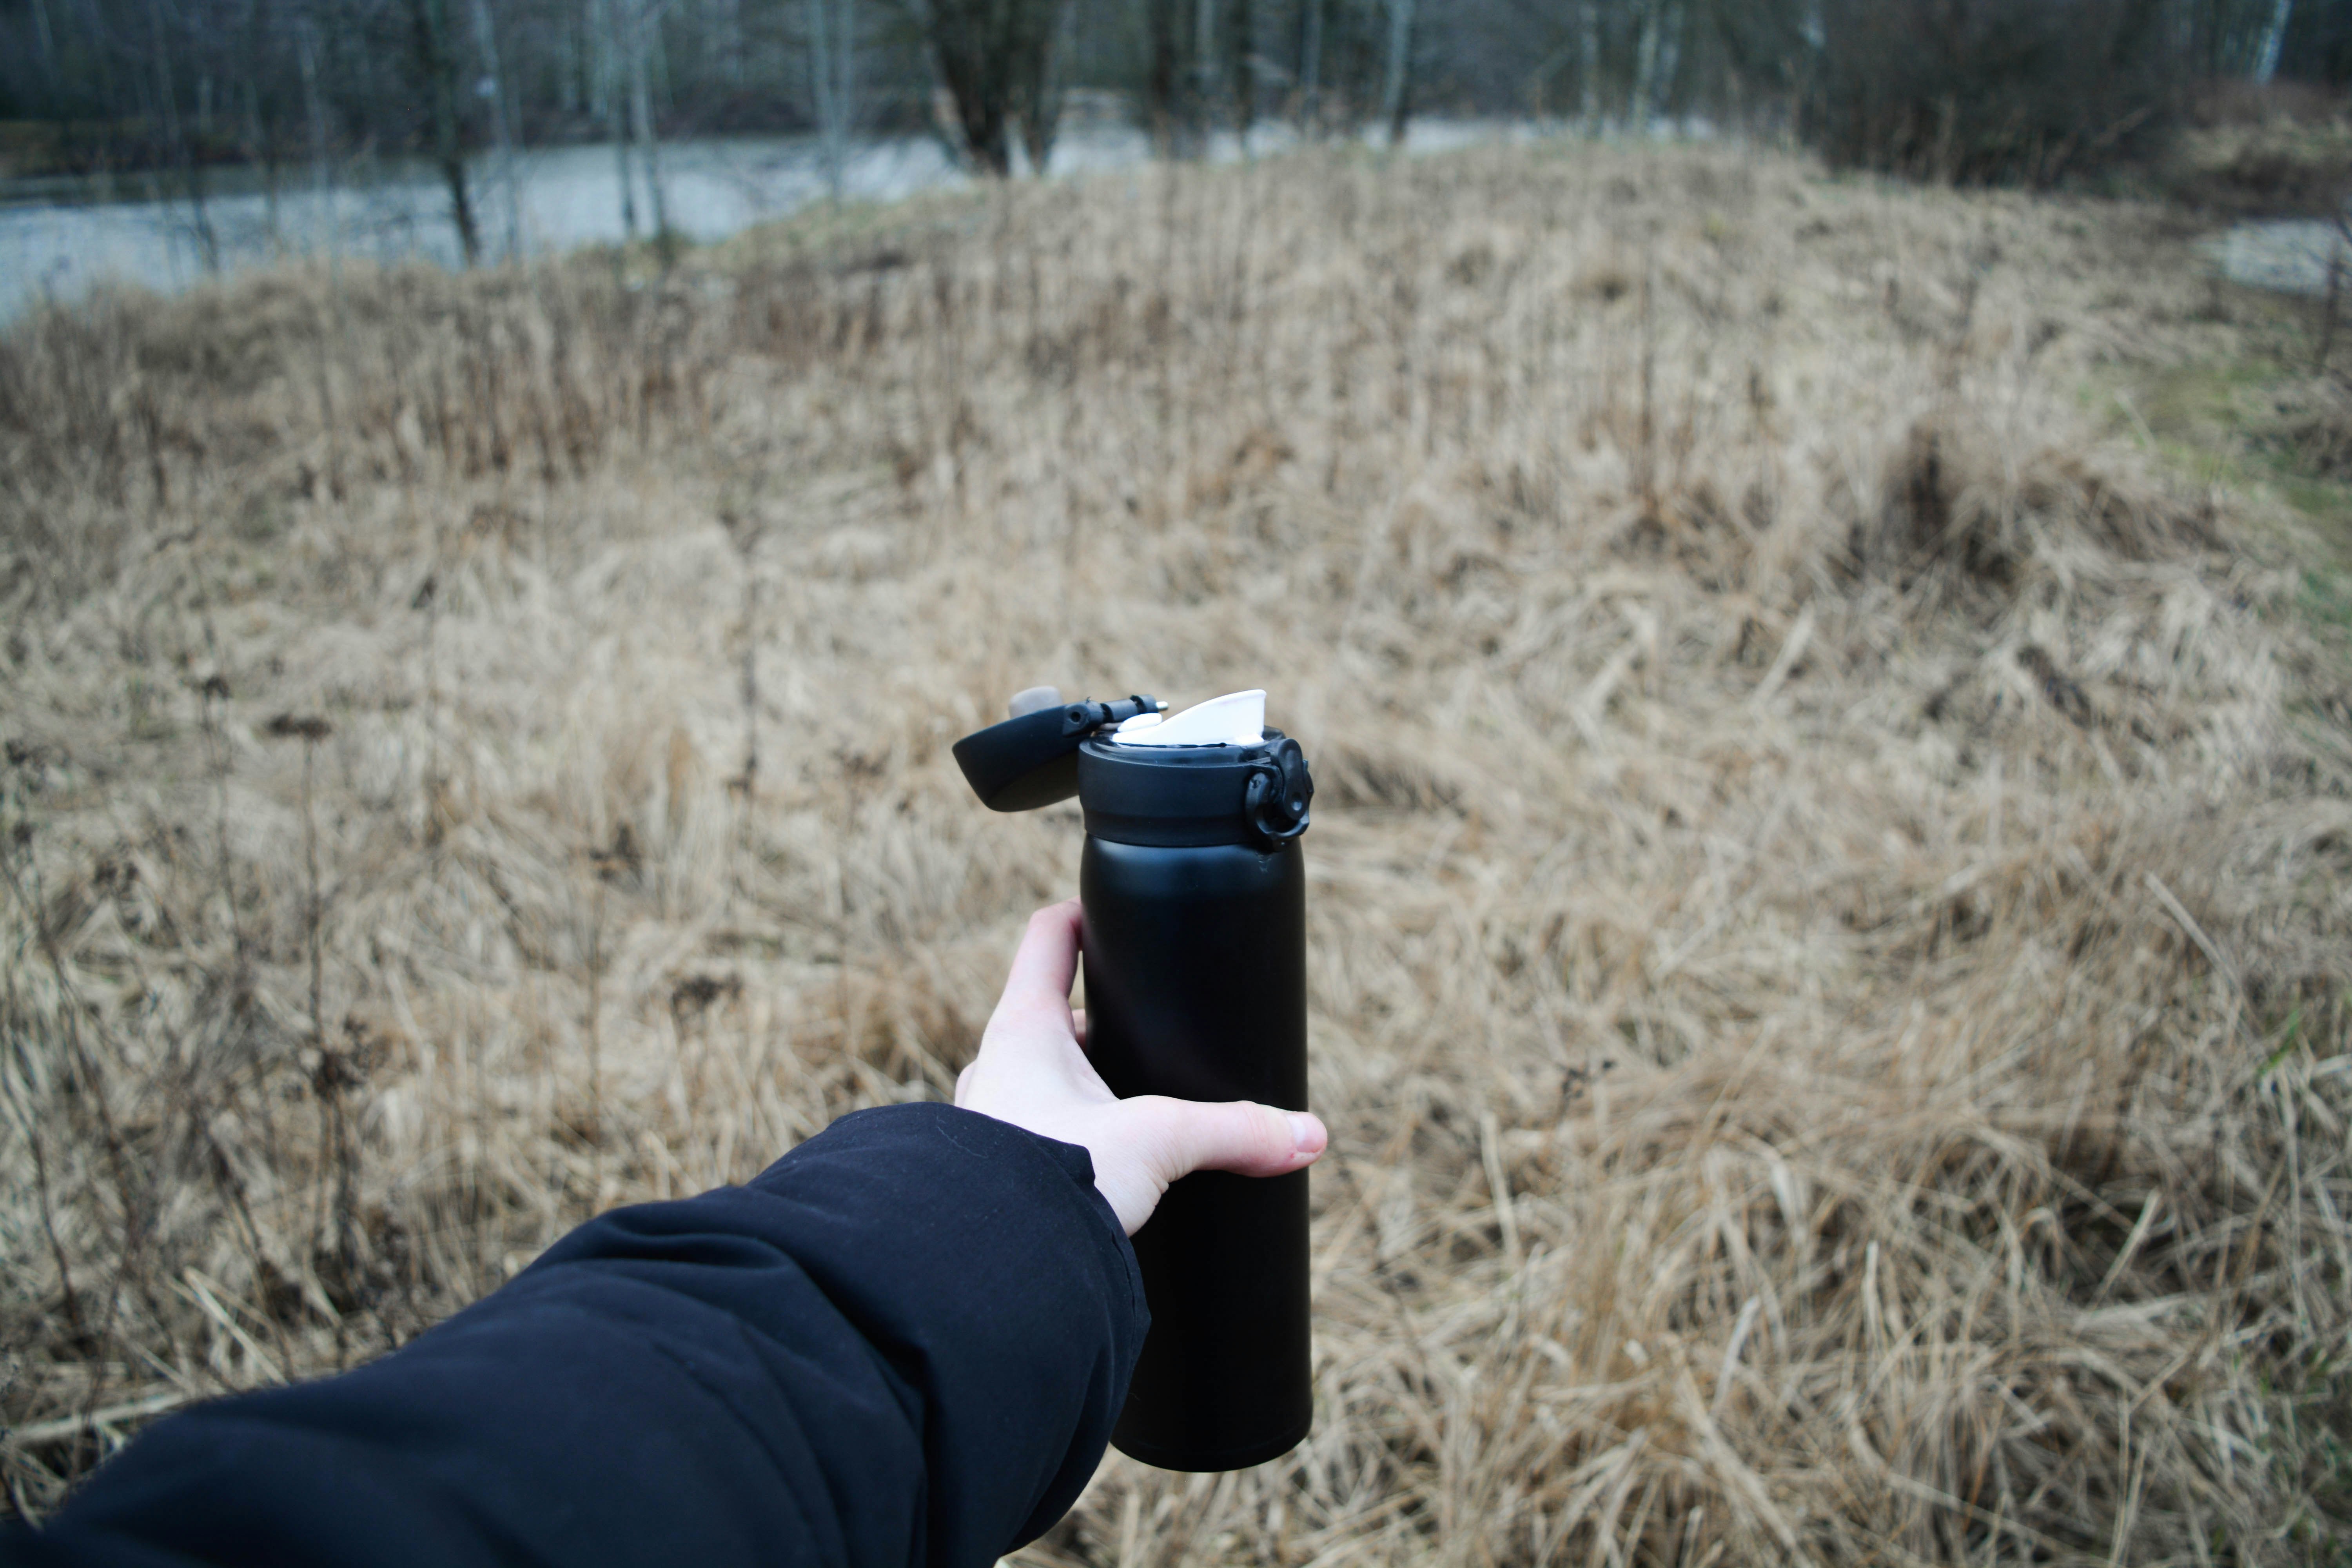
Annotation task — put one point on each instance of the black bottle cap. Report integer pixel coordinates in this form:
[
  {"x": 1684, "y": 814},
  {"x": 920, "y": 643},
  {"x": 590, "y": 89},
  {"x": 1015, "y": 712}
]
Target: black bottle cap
[
  {"x": 1031, "y": 759},
  {"x": 1173, "y": 797}
]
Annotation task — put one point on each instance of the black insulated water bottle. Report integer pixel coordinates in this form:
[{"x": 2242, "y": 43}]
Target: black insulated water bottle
[{"x": 1195, "y": 937}]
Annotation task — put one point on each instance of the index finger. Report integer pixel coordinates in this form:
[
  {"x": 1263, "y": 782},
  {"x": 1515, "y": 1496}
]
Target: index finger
[{"x": 1048, "y": 961}]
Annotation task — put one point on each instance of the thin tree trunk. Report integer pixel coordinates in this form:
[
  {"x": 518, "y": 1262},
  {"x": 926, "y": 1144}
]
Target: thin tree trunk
[
  {"x": 46, "y": 42},
  {"x": 613, "y": 36},
  {"x": 1310, "y": 66},
  {"x": 1041, "y": 45},
  {"x": 722, "y": 40},
  {"x": 191, "y": 168},
  {"x": 1588, "y": 105},
  {"x": 657, "y": 63},
  {"x": 486, "y": 39},
  {"x": 322, "y": 185},
  {"x": 1645, "y": 70},
  {"x": 260, "y": 150},
  {"x": 94, "y": 26},
  {"x": 1160, "y": 85},
  {"x": 438, "y": 56},
  {"x": 1396, "y": 95},
  {"x": 2335, "y": 254},
  {"x": 570, "y": 72},
  {"x": 1241, "y": 25},
  {"x": 2273, "y": 36},
  {"x": 1670, "y": 59},
  {"x": 1204, "y": 62},
  {"x": 596, "y": 57},
  {"x": 626, "y": 176},
  {"x": 259, "y": 143},
  {"x": 649, "y": 132},
  {"x": 844, "y": 90},
  {"x": 823, "y": 79}
]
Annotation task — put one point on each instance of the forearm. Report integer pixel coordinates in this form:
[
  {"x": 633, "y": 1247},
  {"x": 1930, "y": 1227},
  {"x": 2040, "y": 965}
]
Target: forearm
[{"x": 905, "y": 1344}]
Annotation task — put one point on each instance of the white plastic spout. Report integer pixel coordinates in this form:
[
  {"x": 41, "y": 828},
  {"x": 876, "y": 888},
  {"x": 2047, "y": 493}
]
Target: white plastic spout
[{"x": 1237, "y": 719}]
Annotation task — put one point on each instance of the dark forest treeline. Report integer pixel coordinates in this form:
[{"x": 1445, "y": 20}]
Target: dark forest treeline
[{"x": 1952, "y": 89}]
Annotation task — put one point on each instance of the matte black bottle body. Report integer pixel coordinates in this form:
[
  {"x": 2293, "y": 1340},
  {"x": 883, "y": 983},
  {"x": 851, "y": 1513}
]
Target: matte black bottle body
[
  {"x": 1196, "y": 988},
  {"x": 1195, "y": 894}
]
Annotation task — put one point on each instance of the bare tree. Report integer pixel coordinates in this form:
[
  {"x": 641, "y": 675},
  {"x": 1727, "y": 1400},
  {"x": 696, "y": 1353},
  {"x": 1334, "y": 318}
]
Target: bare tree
[
  {"x": 1038, "y": 84},
  {"x": 175, "y": 135},
  {"x": 45, "y": 36},
  {"x": 1162, "y": 74},
  {"x": 1645, "y": 69},
  {"x": 2266, "y": 58},
  {"x": 833, "y": 81},
  {"x": 1204, "y": 58},
  {"x": 1396, "y": 93},
  {"x": 492, "y": 88},
  {"x": 1310, "y": 64},
  {"x": 1241, "y": 29},
  {"x": 1978, "y": 91},
  {"x": 1588, "y": 17},
  {"x": 436, "y": 67},
  {"x": 608, "y": 51},
  {"x": 1659, "y": 58},
  {"x": 996, "y": 59},
  {"x": 322, "y": 185},
  {"x": 641, "y": 19},
  {"x": 2031, "y": 89}
]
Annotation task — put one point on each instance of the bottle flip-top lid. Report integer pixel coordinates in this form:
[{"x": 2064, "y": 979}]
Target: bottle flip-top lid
[
  {"x": 1211, "y": 773},
  {"x": 1031, "y": 758}
]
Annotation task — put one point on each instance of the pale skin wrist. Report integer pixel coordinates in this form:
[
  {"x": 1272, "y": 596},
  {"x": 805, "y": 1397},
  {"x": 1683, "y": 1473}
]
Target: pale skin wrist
[{"x": 1032, "y": 1071}]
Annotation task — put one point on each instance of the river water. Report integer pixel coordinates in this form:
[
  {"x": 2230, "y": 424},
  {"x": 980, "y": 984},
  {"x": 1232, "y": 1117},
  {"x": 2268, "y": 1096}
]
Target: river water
[
  {"x": 2293, "y": 256},
  {"x": 58, "y": 241}
]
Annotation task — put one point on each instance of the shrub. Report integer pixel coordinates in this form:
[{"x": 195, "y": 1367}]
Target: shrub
[
  {"x": 2281, "y": 148},
  {"x": 1981, "y": 91}
]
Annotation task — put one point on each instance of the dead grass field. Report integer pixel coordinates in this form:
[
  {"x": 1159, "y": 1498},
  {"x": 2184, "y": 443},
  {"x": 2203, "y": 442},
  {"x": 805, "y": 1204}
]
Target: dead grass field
[{"x": 1830, "y": 892}]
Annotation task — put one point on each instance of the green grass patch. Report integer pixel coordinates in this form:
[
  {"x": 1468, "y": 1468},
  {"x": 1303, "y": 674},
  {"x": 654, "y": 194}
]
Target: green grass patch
[{"x": 2251, "y": 421}]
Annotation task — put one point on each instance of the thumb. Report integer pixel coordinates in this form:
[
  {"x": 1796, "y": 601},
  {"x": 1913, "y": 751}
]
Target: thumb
[{"x": 1240, "y": 1136}]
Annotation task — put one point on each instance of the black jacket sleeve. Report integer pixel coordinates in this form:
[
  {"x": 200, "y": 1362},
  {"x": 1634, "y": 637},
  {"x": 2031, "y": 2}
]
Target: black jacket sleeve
[{"x": 903, "y": 1344}]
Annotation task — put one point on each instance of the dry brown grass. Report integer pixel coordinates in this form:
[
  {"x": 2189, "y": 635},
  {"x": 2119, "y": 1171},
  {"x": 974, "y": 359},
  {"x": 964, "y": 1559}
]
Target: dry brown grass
[
  {"x": 1829, "y": 914},
  {"x": 2285, "y": 147}
]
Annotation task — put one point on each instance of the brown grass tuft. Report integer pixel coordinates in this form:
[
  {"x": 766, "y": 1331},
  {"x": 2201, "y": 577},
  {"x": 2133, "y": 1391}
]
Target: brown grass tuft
[{"x": 1957, "y": 504}]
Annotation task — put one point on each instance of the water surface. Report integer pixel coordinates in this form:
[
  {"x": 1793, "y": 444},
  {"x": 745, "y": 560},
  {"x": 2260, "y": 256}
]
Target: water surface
[
  {"x": 59, "y": 239},
  {"x": 2292, "y": 256}
]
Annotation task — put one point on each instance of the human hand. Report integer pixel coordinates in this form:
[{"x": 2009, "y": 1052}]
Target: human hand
[{"x": 1032, "y": 1070}]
